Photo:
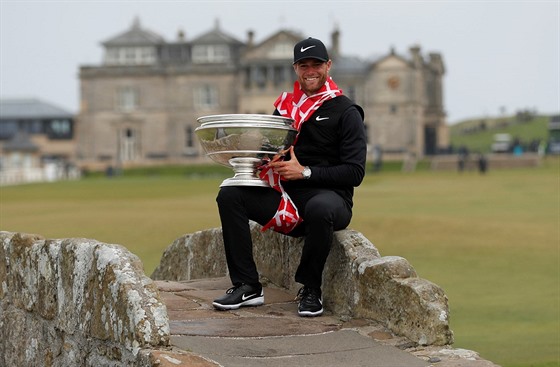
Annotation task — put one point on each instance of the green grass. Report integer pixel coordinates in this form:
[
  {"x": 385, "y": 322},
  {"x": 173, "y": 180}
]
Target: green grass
[
  {"x": 490, "y": 241},
  {"x": 481, "y": 140}
]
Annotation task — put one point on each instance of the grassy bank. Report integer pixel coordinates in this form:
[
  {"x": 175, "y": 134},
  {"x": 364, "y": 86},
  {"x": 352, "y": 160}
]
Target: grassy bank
[
  {"x": 491, "y": 242},
  {"x": 477, "y": 135}
]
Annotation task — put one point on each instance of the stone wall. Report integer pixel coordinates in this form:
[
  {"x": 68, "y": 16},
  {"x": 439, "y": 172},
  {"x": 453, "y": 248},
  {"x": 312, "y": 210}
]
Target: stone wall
[
  {"x": 358, "y": 282},
  {"x": 493, "y": 161},
  {"x": 76, "y": 302}
]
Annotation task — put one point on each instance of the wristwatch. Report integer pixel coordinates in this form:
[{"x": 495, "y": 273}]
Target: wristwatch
[{"x": 306, "y": 173}]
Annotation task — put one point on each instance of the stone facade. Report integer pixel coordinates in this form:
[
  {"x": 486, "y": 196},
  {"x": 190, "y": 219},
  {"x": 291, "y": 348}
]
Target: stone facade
[
  {"x": 141, "y": 104},
  {"x": 407, "y": 103}
]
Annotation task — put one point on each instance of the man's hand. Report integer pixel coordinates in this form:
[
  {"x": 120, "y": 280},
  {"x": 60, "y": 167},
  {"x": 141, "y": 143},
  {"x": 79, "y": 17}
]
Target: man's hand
[
  {"x": 289, "y": 170},
  {"x": 281, "y": 154}
]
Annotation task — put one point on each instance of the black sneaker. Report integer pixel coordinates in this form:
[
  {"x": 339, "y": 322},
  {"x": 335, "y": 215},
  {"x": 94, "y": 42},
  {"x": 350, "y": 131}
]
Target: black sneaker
[
  {"x": 238, "y": 296},
  {"x": 310, "y": 302}
]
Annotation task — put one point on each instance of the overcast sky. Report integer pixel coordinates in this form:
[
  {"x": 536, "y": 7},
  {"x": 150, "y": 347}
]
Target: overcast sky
[{"x": 499, "y": 55}]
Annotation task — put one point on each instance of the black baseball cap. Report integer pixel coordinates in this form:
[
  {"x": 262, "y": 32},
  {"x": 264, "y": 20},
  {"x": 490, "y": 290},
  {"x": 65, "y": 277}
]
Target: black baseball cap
[{"x": 310, "y": 48}]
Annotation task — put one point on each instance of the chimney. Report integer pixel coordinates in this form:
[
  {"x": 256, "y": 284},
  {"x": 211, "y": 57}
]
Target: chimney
[
  {"x": 417, "y": 60},
  {"x": 250, "y": 38},
  {"x": 335, "y": 43},
  {"x": 181, "y": 35},
  {"x": 136, "y": 23},
  {"x": 436, "y": 62}
]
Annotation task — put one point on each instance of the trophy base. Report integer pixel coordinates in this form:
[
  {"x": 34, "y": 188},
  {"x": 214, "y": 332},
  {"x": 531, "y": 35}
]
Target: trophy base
[
  {"x": 235, "y": 181},
  {"x": 245, "y": 169}
]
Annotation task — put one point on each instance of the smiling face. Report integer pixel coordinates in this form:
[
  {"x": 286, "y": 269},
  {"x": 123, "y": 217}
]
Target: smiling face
[{"x": 312, "y": 74}]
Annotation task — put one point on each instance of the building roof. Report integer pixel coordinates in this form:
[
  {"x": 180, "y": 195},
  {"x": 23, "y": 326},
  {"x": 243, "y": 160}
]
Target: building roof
[
  {"x": 350, "y": 65},
  {"x": 135, "y": 36},
  {"x": 391, "y": 54},
  {"x": 30, "y": 108},
  {"x": 215, "y": 36}
]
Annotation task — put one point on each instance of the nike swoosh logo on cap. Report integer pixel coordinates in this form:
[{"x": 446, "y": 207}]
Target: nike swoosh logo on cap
[
  {"x": 306, "y": 48},
  {"x": 319, "y": 118}
]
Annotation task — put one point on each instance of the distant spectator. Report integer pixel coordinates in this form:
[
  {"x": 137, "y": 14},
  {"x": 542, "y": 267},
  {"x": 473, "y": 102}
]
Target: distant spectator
[
  {"x": 482, "y": 163},
  {"x": 542, "y": 148},
  {"x": 463, "y": 158}
]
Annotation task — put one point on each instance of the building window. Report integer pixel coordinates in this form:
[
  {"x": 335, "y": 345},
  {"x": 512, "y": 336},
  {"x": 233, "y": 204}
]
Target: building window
[
  {"x": 210, "y": 54},
  {"x": 279, "y": 75},
  {"x": 59, "y": 129},
  {"x": 8, "y": 129},
  {"x": 147, "y": 55},
  {"x": 260, "y": 76},
  {"x": 282, "y": 50},
  {"x": 31, "y": 126},
  {"x": 206, "y": 97},
  {"x": 130, "y": 56},
  {"x": 127, "y": 99},
  {"x": 189, "y": 134}
]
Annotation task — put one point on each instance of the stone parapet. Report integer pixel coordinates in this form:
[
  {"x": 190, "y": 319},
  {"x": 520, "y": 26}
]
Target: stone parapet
[
  {"x": 76, "y": 302},
  {"x": 358, "y": 282}
]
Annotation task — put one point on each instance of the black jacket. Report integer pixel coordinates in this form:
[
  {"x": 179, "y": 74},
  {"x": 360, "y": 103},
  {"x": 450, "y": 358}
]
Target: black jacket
[{"x": 332, "y": 142}]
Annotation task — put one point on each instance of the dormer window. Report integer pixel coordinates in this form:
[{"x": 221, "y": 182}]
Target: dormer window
[
  {"x": 210, "y": 54},
  {"x": 130, "y": 56},
  {"x": 137, "y": 46}
]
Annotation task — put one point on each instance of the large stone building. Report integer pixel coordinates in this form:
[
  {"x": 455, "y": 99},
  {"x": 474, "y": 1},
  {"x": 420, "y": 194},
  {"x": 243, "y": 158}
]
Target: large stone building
[{"x": 141, "y": 104}]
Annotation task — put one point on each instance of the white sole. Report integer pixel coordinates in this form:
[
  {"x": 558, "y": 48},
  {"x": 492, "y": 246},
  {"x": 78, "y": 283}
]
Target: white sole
[
  {"x": 310, "y": 314},
  {"x": 258, "y": 301}
]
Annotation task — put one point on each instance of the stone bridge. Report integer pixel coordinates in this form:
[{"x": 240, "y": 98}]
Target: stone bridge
[
  {"x": 80, "y": 302},
  {"x": 357, "y": 281}
]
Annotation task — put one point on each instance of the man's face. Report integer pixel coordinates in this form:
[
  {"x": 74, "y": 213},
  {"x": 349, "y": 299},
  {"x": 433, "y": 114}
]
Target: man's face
[{"x": 312, "y": 74}]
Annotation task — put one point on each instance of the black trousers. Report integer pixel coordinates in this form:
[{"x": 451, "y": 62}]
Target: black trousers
[{"x": 323, "y": 212}]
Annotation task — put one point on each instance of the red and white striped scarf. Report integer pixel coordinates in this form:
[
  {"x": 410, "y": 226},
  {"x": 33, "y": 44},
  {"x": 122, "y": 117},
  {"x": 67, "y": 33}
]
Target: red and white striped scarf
[{"x": 299, "y": 107}]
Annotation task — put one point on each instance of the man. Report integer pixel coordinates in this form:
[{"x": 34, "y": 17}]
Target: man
[{"x": 317, "y": 180}]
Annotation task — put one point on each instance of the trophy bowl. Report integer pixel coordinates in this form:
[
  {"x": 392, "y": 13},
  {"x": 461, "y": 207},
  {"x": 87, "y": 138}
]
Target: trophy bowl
[{"x": 244, "y": 142}]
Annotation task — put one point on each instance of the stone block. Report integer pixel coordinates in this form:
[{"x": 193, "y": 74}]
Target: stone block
[{"x": 193, "y": 256}]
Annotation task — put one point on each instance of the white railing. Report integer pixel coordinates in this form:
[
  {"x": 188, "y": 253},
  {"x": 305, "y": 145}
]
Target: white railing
[{"x": 48, "y": 173}]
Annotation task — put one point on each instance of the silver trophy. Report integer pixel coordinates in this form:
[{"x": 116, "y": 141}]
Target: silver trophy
[{"x": 244, "y": 142}]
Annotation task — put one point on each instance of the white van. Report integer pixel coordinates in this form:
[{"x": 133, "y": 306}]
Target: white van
[{"x": 502, "y": 143}]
